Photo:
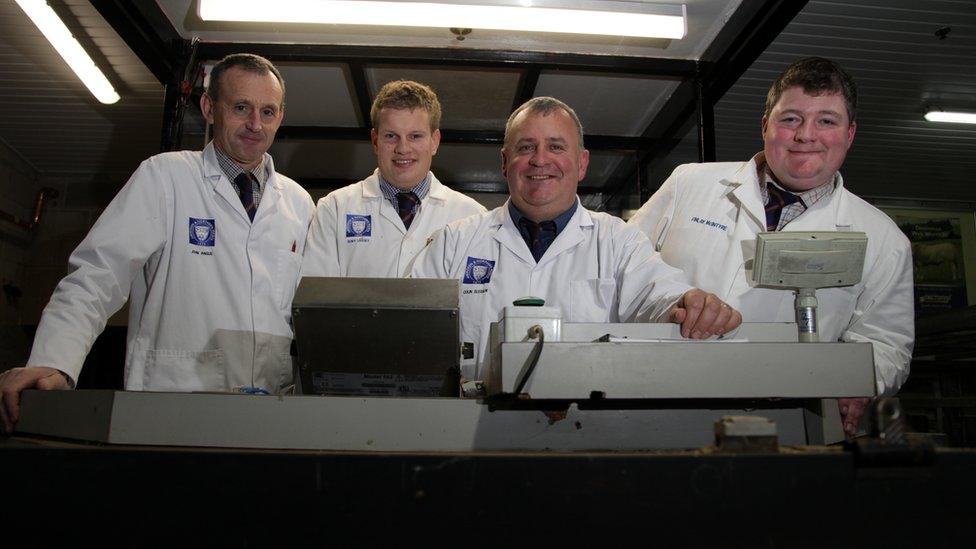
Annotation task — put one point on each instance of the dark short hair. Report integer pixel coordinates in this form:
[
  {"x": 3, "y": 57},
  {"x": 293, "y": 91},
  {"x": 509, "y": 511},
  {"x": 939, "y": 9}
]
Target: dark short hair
[
  {"x": 544, "y": 106},
  {"x": 406, "y": 95},
  {"x": 244, "y": 61},
  {"x": 817, "y": 76}
]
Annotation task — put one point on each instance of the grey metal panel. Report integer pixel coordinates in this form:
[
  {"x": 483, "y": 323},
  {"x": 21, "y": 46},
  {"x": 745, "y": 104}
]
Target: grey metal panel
[
  {"x": 689, "y": 370},
  {"x": 753, "y": 331},
  {"x": 336, "y": 325},
  {"x": 83, "y": 415},
  {"x": 372, "y": 292},
  {"x": 373, "y": 424}
]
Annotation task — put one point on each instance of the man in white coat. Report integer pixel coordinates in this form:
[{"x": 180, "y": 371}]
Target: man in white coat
[
  {"x": 375, "y": 227},
  {"x": 206, "y": 246},
  {"x": 705, "y": 217},
  {"x": 542, "y": 242}
]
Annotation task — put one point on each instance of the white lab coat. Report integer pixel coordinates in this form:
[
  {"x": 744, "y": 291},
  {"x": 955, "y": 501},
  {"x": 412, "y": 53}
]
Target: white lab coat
[
  {"x": 597, "y": 270},
  {"x": 383, "y": 247},
  {"x": 210, "y": 305},
  {"x": 704, "y": 220}
]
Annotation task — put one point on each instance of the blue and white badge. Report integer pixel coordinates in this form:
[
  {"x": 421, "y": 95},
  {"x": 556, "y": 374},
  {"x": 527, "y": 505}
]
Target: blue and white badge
[
  {"x": 202, "y": 232},
  {"x": 478, "y": 271},
  {"x": 358, "y": 225}
]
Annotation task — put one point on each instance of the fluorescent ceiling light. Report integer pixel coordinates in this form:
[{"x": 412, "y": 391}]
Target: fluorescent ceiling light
[
  {"x": 950, "y": 116},
  {"x": 71, "y": 51},
  {"x": 613, "y": 18}
]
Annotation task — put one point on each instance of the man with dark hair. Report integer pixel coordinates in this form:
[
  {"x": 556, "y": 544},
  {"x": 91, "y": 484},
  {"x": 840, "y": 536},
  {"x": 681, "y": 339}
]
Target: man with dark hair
[
  {"x": 206, "y": 246},
  {"x": 375, "y": 227},
  {"x": 705, "y": 217},
  {"x": 543, "y": 243}
]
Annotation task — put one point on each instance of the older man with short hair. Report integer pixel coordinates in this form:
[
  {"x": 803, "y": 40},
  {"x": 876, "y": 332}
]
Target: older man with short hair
[{"x": 206, "y": 247}]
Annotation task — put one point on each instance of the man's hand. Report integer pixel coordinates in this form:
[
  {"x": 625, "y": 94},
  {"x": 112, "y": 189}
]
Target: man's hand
[
  {"x": 703, "y": 315},
  {"x": 851, "y": 410},
  {"x": 12, "y": 382}
]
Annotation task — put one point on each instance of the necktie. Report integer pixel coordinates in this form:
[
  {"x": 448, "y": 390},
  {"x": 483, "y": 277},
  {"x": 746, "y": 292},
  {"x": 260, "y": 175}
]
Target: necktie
[
  {"x": 245, "y": 190},
  {"x": 778, "y": 199},
  {"x": 407, "y": 207},
  {"x": 539, "y": 235}
]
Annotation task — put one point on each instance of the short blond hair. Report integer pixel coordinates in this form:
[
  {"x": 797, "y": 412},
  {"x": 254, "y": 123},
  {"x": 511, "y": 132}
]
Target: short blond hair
[{"x": 406, "y": 95}]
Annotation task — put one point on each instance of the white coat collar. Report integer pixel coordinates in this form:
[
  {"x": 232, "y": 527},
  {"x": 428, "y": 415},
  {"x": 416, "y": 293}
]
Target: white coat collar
[
  {"x": 371, "y": 191},
  {"x": 221, "y": 185},
  {"x": 508, "y": 235},
  {"x": 743, "y": 187},
  {"x": 371, "y": 187}
]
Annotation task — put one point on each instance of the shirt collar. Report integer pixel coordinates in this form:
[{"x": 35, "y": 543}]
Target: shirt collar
[
  {"x": 560, "y": 220},
  {"x": 390, "y": 192},
  {"x": 808, "y": 197},
  {"x": 232, "y": 169}
]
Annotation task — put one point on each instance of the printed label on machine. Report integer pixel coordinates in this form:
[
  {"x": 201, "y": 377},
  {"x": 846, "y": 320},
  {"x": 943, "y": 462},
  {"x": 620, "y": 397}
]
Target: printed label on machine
[{"x": 337, "y": 383}]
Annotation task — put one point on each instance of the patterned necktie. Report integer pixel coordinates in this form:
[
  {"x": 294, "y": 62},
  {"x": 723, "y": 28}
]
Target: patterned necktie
[
  {"x": 245, "y": 190},
  {"x": 407, "y": 207},
  {"x": 537, "y": 241},
  {"x": 778, "y": 199}
]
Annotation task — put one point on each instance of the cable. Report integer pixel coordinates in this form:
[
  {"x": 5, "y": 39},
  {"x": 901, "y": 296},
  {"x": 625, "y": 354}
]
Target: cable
[{"x": 535, "y": 332}]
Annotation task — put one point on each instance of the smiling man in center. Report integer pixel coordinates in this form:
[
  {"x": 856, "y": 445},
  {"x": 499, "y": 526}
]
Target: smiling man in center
[{"x": 543, "y": 243}]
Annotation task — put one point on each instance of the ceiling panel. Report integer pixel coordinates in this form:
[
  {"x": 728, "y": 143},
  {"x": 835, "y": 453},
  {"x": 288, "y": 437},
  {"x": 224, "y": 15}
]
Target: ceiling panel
[
  {"x": 325, "y": 159},
  {"x": 476, "y": 99},
  {"x": 322, "y": 95},
  {"x": 598, "y": 99}
]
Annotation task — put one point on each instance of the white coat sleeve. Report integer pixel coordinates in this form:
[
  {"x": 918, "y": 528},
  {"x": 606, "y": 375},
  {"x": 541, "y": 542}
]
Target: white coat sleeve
[
  {"x": 322, "y": 247},
  {"x": 131, "y": 229},
  {"x": 648, "y": 287},
  {"x": 884, "y": 315},
  {"x": 655, "y": 216}
]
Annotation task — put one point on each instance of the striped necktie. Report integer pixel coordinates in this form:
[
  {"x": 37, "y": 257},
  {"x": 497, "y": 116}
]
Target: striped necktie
[
  {"x": 245, "y": 190},
  {"x": 778, "y": 199},
  {"x": 407, "y": 207}
]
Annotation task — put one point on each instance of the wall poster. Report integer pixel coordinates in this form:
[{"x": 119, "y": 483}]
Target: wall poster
[{"x": 943, "y": 257}]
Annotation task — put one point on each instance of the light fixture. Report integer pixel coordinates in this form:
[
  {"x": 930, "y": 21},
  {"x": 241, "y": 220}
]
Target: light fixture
[
  {"x": 613, "y": 18},
  {"x": 939, "y": 115},
  {"x": 70, "y": 50}
]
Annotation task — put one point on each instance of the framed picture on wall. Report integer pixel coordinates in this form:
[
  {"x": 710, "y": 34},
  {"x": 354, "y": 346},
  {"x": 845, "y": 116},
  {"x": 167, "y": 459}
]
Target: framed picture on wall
[{"x": 943, "y": 257}]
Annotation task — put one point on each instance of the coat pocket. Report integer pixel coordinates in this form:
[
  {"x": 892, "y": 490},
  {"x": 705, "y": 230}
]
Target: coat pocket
[
  {"x": 592, "y": 300},
  {"x": 176, "y": 370}
]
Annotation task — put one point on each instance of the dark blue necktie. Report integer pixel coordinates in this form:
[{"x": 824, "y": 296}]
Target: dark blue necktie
[
  {"x": 538, "y": 235},
  {"x": 407, "y": 207},
  {"x": 245, "y": 190},
  {"x": 778, "y": 199}
]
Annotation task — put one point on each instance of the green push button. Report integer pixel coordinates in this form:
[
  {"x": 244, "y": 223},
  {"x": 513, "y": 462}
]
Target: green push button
[{"x": 529, "y": 301}]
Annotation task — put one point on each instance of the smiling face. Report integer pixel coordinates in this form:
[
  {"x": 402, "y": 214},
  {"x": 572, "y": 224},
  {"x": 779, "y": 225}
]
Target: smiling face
[
  {"x": 405, "y": 146},
  {"x": 246, "y": 115},
  {"x": 543, "y": 163},
  {"x": 806, "y": 138}
]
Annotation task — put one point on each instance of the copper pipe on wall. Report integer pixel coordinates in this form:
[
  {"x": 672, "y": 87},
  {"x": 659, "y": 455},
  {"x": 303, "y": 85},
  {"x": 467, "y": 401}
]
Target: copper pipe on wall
[{"x": 29, "y": 225}]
